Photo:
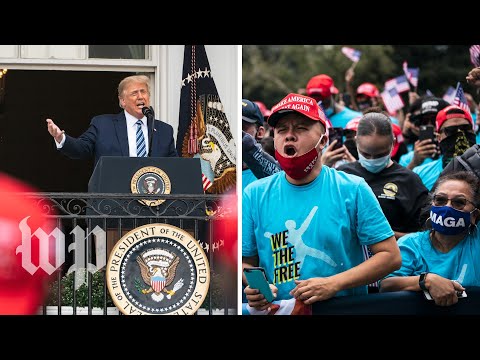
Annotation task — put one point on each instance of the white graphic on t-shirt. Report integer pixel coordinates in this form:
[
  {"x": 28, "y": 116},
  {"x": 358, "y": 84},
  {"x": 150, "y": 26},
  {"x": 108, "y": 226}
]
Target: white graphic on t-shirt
[
  {"x": 462, "y": 273},
  {"x": 302, "y": 250}
]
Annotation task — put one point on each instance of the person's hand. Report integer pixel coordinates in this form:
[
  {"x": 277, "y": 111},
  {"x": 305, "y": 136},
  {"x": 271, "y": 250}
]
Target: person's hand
[
  {"x": 473, "y": 77},
  {"x": 422, "y": 150},
  {"x": 330, "y": 156},
  {"x": 314, "y": 289},
  {"x": 443, "y": 291},
  {"x": 257, "y": 300},
  {"x": 349, "y": 74},
  {"x": 348, "y": 157},
  {"x": 412, "y": 96},
  {"x": 55, "y": 131}
]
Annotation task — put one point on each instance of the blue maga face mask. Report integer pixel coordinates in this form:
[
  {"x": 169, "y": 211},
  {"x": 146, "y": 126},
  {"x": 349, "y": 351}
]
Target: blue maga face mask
[
  {"x": 374, "y": 165},
  {"x": 449, "y": 221}
]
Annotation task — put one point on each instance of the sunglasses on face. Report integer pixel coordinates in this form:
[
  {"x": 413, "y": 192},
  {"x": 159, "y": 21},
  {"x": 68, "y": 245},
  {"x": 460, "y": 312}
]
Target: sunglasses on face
[
  {"x": 457, "y": 202},
  {"x": 452, "y": 130}
]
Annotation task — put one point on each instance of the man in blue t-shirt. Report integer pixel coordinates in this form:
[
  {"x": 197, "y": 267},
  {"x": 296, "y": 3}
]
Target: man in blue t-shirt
[
  {"x": 306, "y": 224},
  {"x": 454, "y": 126}
]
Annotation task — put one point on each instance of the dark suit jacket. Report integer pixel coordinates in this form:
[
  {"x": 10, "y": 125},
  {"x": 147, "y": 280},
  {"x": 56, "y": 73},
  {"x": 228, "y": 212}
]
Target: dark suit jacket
[{"x": 107, "y": 136}]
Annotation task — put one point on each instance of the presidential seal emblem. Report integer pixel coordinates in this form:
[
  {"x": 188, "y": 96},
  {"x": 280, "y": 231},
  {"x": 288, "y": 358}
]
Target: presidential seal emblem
[
  {"x": 150, "y": 180},
  {"x": 158, "y": 269}
]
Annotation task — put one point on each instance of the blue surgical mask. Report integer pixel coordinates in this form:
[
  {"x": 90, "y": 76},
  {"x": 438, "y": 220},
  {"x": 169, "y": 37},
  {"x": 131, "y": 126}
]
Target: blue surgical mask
[
  {"x": 449, "y": 221},
  {"x": 374, "y": 165}
]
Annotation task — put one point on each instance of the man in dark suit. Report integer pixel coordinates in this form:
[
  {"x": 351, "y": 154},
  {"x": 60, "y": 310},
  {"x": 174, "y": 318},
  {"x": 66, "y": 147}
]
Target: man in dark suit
[{"x": 117, "y": 134}]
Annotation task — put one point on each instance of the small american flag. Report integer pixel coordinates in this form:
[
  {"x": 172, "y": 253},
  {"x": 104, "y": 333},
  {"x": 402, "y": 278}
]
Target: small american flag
[
  {"x": 400, "y": 84},
  {"x": 449, "y": 95},
  {"x": 460, "y": 100},
  {"x": 475, "y": 55},
  {"x": 411, "y": 74},
  {"x": 392, "y": 100},
  {"x": 352, "y": 54}
]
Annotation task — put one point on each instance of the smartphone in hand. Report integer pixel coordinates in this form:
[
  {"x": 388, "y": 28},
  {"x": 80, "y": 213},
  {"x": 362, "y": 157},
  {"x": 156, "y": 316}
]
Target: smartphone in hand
[
  {"x": 426, "y": 132},
  {"x": 257, "y": 279},
  {"x": 336, "y": 133}
]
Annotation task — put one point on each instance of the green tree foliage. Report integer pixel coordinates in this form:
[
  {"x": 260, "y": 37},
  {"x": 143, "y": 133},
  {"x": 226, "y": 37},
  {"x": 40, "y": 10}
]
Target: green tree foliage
[{"x": 272, "y": 71}]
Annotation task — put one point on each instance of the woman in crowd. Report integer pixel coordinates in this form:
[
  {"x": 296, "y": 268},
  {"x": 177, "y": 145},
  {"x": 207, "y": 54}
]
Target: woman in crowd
[
  {"x": 399, "y": 191},
  {"x": 443, "y": 261}
]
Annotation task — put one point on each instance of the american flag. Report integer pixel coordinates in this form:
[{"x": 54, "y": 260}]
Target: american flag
[
  {"x": 429, "y": 93},
  {"x": 460, "y": 100},
  {"x": 203, "y": 129},
  {"x": 400, "y": 84},
  {"x": 352, "y": 54},
  {"x": 449, "y": 95},
  {"x": 475, "y": 55},
  {"x": 411, "y": 74},
  {"x": 392, "y": 100}
]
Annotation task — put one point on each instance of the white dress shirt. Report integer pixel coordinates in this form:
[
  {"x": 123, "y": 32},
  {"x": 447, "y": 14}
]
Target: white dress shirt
[{"x": 132, "y": 133}]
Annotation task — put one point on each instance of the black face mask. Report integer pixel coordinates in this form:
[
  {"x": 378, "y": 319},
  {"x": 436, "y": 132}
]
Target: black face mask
[
  {"x": 456, "y": 145},
  {"x": 364, "y": 105},
  {"x": 351, "y": 146}
]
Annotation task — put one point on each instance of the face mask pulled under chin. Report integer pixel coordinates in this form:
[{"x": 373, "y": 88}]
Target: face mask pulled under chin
[{"x": 300, "y": 166}]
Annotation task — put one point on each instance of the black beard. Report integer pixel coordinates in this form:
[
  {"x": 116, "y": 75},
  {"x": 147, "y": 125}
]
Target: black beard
[{"x": 456, "y": 145}]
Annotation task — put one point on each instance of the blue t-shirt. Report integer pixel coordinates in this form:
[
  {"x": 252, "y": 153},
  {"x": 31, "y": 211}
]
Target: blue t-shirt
[
  {"x": 460, "y": 263},
  {"x": 406, "y": 158},
  {"x": 429, "y": 172},
  {"x": 247, "y": 178},
  {"x": 313, "y": 230},
  {"x": 341, "y": 118}
]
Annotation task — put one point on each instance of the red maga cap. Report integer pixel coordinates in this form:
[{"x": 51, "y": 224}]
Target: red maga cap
[
  {"x": 368, "y": 89},
  {"x": 451, "y": 112},
  {"x": 263, "y": 108},
  {"x": 321, "y": 85},
  {"x": 397, "y": 133},
  {"x": 353, "y": 124},
  {"x": 301, "y": 104}
]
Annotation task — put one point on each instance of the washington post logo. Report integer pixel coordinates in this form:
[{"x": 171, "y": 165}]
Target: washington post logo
[{"x": 45, "y": 250}]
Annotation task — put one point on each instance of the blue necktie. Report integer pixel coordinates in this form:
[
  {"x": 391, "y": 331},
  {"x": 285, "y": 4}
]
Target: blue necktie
[{"x": 141, "y": 146}]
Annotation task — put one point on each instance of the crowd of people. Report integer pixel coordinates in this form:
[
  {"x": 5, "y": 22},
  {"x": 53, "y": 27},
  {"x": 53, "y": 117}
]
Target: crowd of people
[{"x": 390, "y": 204}]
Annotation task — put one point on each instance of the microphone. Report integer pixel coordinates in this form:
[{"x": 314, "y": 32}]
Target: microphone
[
  {"x": 148, "y": 111},
  {"x": 150, "y": 114}
]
